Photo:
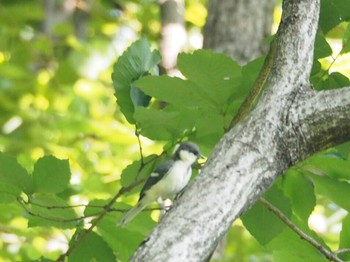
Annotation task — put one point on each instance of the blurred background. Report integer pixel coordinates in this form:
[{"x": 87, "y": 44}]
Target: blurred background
[{"x": 56, "y": 97}]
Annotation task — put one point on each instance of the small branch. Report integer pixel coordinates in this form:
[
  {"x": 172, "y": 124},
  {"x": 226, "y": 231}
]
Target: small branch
[
  {"x": 341, "y": 251},
  {"x": 325, "y": 251},
  {"x": 137, "y": 133},
  {"x": 107, "y": 207},
  {"x": 61, "y": 207}
]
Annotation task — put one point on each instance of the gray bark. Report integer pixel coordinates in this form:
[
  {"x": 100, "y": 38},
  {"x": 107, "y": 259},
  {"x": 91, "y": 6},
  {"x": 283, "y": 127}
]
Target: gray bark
[
  {"x": 290, "y": 122},
  {"x": 238, "y": 28}
]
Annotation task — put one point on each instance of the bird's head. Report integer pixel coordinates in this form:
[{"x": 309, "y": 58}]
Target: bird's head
[{"x": 187, "y": 151}]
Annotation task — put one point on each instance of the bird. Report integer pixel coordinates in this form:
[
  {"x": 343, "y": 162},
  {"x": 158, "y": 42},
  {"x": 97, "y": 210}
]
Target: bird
[{"x": 166, "y": 180}]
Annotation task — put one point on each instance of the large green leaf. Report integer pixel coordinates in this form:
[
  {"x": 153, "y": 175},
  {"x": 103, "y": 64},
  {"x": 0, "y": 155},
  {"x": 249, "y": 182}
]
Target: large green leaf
[
  {"x": 332, "y": 164},
  {"x": 136, "y": 61},
  {"x": 92, "y": 248},
  {"x": 51, "y": 175},
  {"x": 14, "y": 175},
  {"x": 289, "y": 247},
  {"x": 344, "y": 241},
  {"x": 174, "y": 90},
  {"x": 262, "y": 223},
  {"x": 123, "y": 241},
  {"x": 322, "y": 48},
  {"x": 8, "y": 192},
  {"x": 215, "y": 75},
  {"x": 336, "y": 191},
  {"x": 332, "y": 13},
  {"x": 165, "y": 124},
  {"x": 300, "y": 192},
  {"x": 49, "y": 210},
  {"x": 346, "y": 40}
]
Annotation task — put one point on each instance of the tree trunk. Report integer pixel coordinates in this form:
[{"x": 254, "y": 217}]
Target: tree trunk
[
  {"x": 173, "y": 34},
  {"x": 238, "y": 28},
  {"x": 290, "y": 122}
]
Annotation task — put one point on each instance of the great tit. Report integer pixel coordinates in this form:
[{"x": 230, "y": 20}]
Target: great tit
[{"x": 166, "y": 180}]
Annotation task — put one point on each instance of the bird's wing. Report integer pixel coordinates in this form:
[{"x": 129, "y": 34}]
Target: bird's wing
[{"x": 155, "y": 176}]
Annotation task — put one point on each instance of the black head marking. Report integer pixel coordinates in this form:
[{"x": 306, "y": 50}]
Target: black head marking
[{"x": 187, "y": 146}]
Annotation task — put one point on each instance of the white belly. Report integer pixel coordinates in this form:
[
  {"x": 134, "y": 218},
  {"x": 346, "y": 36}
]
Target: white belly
[{"x": 173, "y": 183}]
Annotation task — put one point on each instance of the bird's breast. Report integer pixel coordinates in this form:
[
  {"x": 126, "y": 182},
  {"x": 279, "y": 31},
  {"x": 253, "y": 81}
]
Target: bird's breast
[{"x": 173, "y": 182}]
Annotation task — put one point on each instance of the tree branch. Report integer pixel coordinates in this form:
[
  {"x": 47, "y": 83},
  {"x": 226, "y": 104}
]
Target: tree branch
[
  {"x": 321, "y": 119},
  {"x": 325, "y": 251},
  {"x": 249, "y": 158}
]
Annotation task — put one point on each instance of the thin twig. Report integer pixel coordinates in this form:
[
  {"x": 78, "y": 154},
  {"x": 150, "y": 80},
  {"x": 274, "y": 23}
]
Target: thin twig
[
  {"x": 341, "y": 251},
  {"x": 61, "y": 207},
  {"x": 325, "y": 251},
  {"x": 137, "y": 133},
  {"x": 55, "y": 219},
  {"x": 107, "y": 207}
]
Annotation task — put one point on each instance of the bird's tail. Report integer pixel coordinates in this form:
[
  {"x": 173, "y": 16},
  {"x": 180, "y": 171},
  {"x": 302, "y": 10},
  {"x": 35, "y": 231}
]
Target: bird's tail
[{"x": 131, "y": 214}]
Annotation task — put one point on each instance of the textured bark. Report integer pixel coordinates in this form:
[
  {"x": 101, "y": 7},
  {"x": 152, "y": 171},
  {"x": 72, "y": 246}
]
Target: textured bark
[
  {"x": 238, "y": 27},
  {"x": 290, "y": 122}
]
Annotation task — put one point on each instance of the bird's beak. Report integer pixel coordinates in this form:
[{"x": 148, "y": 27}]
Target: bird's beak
[{"x": 201, "y": 156}]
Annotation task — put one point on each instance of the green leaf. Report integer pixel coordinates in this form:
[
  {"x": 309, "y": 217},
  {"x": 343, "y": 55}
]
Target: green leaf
[
  {"x": 124, "y": 242},
  {"x": 136, "y": 61},
  {"x": 134, "y": 171},
  {"x": 336, "y": 191},
  {"x": 263, "y": 224},
  {"x": 344, "y": 241},
  {"x": 174, "y": 90},
  {"x": 332, "y": 13},
  {"x": 322, "y": 48},
  {"x": 338, "y": 80},
  {"x": 51, "y": 175},
  {"x": 301, "y": 193},
  {"x": 92, "y": 248},
  {"x": 49, "y": 210},
  {"x": 164, "y": 124},
  {"x": 346, "y": 40},
  {"x": 8, "y": 192},
  {"x": 331, "y": 164},
  {"x": 13, "y": 174},
  {"x": 289, "y": 247},
  {"x": 217, "y": 76}
]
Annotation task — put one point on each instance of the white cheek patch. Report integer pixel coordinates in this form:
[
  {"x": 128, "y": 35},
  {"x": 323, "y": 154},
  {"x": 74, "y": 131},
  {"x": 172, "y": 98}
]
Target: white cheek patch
[{"x": 187, "y": 156}]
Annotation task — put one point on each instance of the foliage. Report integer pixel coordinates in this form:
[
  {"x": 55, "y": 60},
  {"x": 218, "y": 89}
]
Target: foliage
[{"x": 55, "y": 102}]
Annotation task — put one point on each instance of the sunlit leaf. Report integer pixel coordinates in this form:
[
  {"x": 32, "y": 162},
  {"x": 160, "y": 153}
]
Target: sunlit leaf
[
  {"x": 332, "y": 13},
  {"x": 322, "y": 48},
  {"x": 123, "y": 241},
  {"x": 216, "y": 76},
  {"x": 289, "y": 247},
  {"x": 174, "y": 90},
  {"x": 92, "y": 248},
  {"x": 136, "y": 61},
  {"x": 8, "y": 192},
  {"x": 14, "y": 174},
  {"x": 164, "y": 124},
  {"x": 329, "y": 164},
  {"x": 51, "y": 175},
  {"x": 336, "y": 191},
  {"x": 344, "y": 241},
  {"x": 49, "y": 210}
]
